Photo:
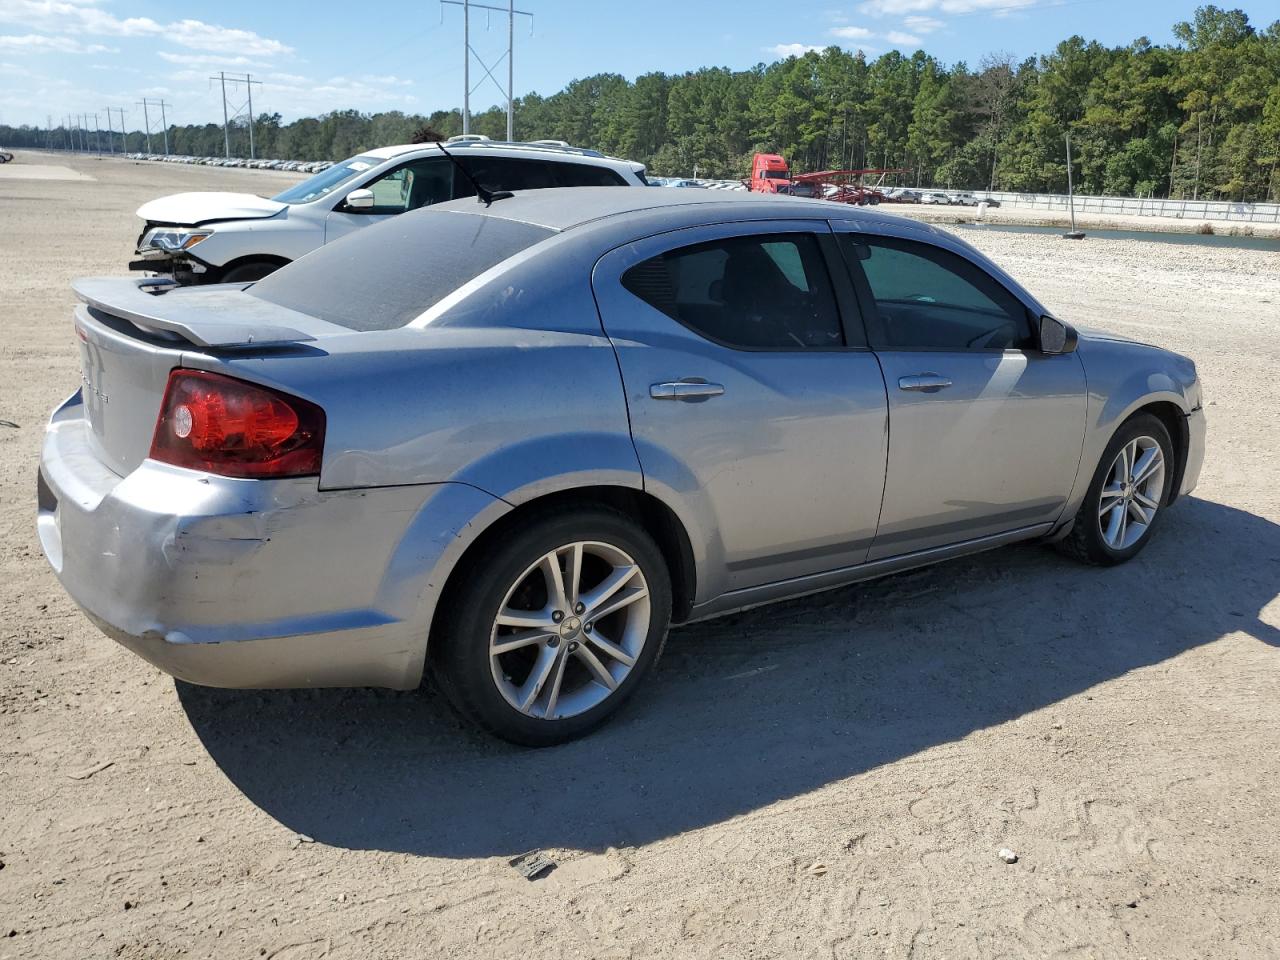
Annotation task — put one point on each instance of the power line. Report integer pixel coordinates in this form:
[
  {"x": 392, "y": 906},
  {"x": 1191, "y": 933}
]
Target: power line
[{"x": 468, "y": 52}]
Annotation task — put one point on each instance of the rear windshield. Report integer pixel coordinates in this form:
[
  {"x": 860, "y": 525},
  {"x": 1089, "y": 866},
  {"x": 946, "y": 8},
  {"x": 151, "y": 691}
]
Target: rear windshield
[{"x": 386, "y": 275}]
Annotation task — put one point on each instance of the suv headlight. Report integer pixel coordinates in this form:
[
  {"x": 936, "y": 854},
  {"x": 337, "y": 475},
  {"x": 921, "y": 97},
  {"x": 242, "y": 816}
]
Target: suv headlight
[{"x": 173, "y": 239}]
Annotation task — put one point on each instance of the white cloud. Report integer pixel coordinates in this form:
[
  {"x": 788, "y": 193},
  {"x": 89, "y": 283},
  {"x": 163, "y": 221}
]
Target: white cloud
[
  {"x": 896, "y": 8},
  {"x": 38, "y": 43},
  {"x": 61, "y": 17},
  {"x": 792, "y": 49},
  {"x": 923, "y": 24},
  {"x": 204, "y": 36},
  {"x": 198, "y": 59},
  {"x": 896, "y": 38}
]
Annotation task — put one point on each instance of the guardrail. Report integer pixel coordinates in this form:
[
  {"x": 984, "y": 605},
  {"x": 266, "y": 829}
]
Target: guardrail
[{"x": 1140, "y": 207}]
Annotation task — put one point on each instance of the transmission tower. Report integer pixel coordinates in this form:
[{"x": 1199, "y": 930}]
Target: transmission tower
[
  {"x": 244, "y": 110},
  {"x": 111, "y": 130},
  {"x": 146, "y": 117},
  {"x": 468, "y": 52}
]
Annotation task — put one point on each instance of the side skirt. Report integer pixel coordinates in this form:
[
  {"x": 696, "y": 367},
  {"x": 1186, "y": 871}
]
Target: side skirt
[{"x": 736, "y": 601}]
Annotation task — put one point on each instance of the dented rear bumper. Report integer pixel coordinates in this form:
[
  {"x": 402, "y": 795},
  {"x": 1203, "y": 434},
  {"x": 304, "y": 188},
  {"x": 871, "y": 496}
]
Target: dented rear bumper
[{"x": 239, "y": 583}]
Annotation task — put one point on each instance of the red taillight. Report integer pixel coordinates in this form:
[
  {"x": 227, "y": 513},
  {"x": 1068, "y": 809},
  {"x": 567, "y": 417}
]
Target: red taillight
[{"x": 236, "y": 429}]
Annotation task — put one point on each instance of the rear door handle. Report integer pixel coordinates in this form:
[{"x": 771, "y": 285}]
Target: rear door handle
[
  {"x": 688, "y": 389},
  {"x": 924, "y": 383}
]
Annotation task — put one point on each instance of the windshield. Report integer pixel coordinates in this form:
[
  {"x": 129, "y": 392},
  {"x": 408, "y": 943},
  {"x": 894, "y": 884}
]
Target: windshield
[
  {"x": 776, "y": 174},
  {"x": 326, "y": 181}
]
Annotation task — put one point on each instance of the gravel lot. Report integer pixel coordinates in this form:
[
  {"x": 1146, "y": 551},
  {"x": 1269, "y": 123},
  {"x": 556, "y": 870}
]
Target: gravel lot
[{"x": 831, "y": 777}]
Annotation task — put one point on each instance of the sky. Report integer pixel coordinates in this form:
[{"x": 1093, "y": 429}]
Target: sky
[{"x": 59, "y": 57}]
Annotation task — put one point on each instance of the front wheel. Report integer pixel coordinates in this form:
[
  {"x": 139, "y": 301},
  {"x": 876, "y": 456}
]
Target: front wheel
[
  {"x": 1127, "y": 495},
  {"x": 553, "y": 627},
  {"x": 249, "y": 272}
]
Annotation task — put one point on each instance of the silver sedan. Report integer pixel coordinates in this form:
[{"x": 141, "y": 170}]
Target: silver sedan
[{"x": 511, "y": 444}]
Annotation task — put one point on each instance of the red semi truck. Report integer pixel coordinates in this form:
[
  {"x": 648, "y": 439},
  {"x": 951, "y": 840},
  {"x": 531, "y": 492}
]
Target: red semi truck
[{"x": 769, "y": 174}]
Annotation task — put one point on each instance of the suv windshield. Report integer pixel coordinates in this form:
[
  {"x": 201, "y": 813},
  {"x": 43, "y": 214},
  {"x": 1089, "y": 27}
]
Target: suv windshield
[{"x": 326, "y": 181}]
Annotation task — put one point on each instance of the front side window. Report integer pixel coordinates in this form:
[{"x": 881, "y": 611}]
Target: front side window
[
  {"x": 766, "y": 292},
  {"x": 419, "y": 183},
  {"x": 931, "y": 299}
]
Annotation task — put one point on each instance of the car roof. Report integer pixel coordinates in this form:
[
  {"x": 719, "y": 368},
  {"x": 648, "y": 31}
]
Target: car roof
[
  {"x": 547, "y": 151},
  {"x": 563, "y": 208}
]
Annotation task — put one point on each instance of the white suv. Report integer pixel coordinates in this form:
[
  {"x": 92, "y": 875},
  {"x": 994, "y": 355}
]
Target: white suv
[{"x": 240, "y": 237}]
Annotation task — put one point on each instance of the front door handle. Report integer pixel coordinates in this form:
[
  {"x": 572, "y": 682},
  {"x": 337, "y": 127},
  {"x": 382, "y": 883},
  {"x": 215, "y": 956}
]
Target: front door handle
[
  {"x": 924, "y": 383},
  {"x": 687, "y": 389}
]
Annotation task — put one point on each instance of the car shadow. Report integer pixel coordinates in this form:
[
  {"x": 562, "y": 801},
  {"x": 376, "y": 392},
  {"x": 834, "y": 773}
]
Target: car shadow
[{"x": 750, "y": 709}]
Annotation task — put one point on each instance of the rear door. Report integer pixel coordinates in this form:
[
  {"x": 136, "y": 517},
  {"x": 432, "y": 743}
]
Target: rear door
[
  {"x": 985, "y": 430},
  {"x": 750, "y": 400}
]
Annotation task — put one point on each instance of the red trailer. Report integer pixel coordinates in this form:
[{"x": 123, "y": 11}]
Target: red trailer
[{"x": 842, "y": 186}]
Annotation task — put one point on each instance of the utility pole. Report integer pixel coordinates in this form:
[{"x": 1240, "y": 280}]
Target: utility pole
[
  {"x": 165, "y": 124},
  {"x": 468, "y": 52},
  {"x": 226, "y": 128},
  {"x": 229, "y": 118},
  {"x": 97, "y": 135},
  {"x": 146, "y": 119}
]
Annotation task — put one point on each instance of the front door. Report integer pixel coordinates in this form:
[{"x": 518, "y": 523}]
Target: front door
[
  {"x": 751, "y": 402},
  {"x": 985, "y": 430},
  {"x": 417, "y": 183}
]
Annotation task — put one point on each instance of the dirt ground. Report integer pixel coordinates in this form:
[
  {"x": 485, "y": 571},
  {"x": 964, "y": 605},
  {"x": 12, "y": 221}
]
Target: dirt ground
[{"x": 830, "y": 778}]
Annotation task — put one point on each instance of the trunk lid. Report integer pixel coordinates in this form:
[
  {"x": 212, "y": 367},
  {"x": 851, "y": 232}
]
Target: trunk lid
[
  {"x": 191, "y": 209},
  {"x": 132, "y": 332}
]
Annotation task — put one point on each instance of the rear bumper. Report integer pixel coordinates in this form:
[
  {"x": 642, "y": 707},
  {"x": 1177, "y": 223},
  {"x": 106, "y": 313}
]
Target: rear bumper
[{"x": 249, "y": 583}]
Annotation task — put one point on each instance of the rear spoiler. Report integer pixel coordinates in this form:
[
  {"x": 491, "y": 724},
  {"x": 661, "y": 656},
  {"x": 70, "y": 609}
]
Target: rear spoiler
[{"x": 213, "y": 316}]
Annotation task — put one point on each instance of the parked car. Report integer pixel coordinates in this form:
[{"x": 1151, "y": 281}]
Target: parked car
[
  {"x": 964, "y": 200},
  {"x": 902, "y": 195},
  {"x": 511, "y": 444},
  {"x": 239, "y": 237},
  {"x": 990, "y": 201},
  {"x": 940, "y": 199}
]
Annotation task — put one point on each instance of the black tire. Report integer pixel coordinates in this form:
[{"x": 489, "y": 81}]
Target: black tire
[
  {"x": 1086, "y": 542},
  {"x": 249, "y": 272},
  {"x": 459, "y": 654}
]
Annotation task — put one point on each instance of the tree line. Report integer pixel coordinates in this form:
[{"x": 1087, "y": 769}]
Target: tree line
[{"x": 1199, "y": 119}]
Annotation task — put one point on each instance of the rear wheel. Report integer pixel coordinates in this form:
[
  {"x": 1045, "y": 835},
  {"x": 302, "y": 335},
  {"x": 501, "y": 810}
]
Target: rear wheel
[
  {"x": 553, "y": 627},
  {"x": 1127, "y": 495}
]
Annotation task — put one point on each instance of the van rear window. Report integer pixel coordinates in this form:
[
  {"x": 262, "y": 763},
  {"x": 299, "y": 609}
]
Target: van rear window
[{"x": 385, "y": 275}]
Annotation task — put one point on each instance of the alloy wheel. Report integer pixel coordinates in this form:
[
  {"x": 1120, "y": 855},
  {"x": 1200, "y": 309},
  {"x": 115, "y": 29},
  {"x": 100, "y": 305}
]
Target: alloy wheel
[
  {"x": 1132, "y": 492},
  {"x": 569, "y": 630}
]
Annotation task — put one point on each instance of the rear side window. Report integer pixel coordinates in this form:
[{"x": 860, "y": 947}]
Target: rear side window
[
  {"x": 931, "y": 299},
  {"x": 521, "y": 173},
  {"x": 585, "y": 175},
  {"x": 387, "y": 274},
  {"x": 768, "y": 292}
]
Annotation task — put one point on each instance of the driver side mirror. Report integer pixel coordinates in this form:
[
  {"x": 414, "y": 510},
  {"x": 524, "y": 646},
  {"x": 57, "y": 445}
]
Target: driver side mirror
[
  {"x": 361, "y": 199},
  {"x": 1056, "y": 336}
]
